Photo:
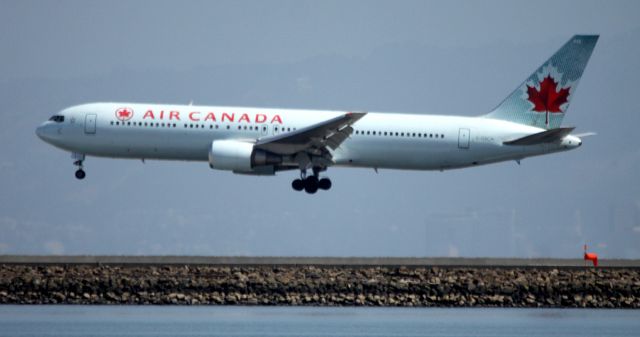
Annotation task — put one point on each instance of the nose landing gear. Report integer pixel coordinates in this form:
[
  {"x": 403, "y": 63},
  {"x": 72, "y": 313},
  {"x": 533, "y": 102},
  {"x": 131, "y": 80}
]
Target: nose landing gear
[{"x": 80, "y": 174}]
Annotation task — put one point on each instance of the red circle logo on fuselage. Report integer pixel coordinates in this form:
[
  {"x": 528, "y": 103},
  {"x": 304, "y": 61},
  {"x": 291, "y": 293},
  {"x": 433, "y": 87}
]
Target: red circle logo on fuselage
[{"x": 124, "y": 114}]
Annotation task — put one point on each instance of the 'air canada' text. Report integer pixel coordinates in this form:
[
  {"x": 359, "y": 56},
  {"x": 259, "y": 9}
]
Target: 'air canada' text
[{"x": 196, "y": 116}]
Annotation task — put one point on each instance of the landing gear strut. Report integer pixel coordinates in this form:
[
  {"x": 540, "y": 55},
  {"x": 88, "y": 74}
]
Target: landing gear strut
[
  {"x": 80, "y": 174},
  {"x": 312, "y": 183}
]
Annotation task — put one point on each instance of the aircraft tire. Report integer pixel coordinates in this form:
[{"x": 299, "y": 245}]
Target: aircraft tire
[
  {"x": 80, "y": 174},
  {"x": 297, "y": 184},
  {"x": 311, "y": 184},
  {"x": 324, "y": 184}
]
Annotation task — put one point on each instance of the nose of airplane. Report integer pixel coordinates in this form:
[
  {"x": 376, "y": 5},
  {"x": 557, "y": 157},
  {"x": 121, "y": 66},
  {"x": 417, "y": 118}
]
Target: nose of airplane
[
  {"x": 44, "y": 132},
  {"x": 40, "y": 131}
]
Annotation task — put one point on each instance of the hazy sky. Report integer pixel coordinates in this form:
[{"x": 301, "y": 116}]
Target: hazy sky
[{"x": 450, "y": 57}]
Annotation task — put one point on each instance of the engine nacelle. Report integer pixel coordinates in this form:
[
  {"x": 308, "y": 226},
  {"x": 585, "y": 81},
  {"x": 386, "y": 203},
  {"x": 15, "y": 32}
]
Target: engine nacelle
[{"x": 241, "y": 157}]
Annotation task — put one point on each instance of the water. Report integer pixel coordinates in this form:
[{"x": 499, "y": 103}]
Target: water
[{"x": 76, "y": 320}]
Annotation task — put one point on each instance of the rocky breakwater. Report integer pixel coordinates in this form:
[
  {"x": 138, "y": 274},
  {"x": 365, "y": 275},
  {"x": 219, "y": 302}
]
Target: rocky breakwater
[{"x": 324, "y": 286}]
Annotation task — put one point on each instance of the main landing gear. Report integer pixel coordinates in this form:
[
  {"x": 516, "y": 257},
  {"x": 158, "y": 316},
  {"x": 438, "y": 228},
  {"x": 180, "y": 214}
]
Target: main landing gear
[
  {"x": 312, "y": 183},
  {"x": 80, "y": 174}
]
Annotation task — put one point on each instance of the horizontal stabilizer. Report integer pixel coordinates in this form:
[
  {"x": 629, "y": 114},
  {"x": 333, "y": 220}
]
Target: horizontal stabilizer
[
  {"x": 586, "y": 134},
  {"x": 548, "y": 136}
]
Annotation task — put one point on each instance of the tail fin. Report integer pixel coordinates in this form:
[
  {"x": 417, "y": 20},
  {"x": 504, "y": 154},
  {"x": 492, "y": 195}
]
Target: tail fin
[{"x": 544, "y": 97}]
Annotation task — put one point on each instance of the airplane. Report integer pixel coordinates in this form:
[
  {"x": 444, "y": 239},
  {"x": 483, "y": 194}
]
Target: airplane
[{"x": 259, "y": 141}]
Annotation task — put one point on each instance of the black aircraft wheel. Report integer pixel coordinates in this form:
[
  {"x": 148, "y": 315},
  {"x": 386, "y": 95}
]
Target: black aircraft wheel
[
  {"x": 297, "y": 184},
  {"x": 80, "y": 174},
  {"x": 311, "y": 184},
  {"x": 324, "y": 184}
]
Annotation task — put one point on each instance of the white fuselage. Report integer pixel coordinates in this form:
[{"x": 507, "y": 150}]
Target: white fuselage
[{"x": 379, "y": 140}]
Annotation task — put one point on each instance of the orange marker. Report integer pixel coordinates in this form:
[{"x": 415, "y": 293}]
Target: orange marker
[{"x": 593, "y": 257}]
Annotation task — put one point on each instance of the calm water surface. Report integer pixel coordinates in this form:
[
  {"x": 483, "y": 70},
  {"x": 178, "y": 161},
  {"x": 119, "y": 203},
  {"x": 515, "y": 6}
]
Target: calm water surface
[{"x": 306, "y": 321}]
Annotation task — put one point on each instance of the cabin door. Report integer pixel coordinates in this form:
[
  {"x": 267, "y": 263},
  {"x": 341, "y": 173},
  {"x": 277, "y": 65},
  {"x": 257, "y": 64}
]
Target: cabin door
[
  {"x": 90, "y": 124},
  {"x": 463, "y": 138}
]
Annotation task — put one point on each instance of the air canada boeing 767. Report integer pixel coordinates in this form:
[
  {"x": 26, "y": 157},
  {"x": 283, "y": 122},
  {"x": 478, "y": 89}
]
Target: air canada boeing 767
[{"x": 264, "y": 141}]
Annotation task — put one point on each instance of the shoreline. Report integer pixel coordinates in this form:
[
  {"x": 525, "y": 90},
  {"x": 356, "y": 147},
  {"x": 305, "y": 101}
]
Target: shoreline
[
  {"x": 312, "y": 285},
  {"x": 410, "y": 262}
]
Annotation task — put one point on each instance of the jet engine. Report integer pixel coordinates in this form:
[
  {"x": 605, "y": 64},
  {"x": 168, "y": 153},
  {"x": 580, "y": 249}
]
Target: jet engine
[{"x": 241, "y": 157}]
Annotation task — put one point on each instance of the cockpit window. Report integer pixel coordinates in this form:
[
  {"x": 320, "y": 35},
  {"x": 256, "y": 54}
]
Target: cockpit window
[{"x": 57, "y": 118}]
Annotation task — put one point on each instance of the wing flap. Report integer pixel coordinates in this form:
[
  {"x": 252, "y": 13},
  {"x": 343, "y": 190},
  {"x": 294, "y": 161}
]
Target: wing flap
[
  {"x": 337, "y": 138},
  {"x": 331, "y": 132}
]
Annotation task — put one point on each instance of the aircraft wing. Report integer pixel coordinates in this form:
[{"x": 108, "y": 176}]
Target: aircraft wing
[{"x": 330, "y": 133}]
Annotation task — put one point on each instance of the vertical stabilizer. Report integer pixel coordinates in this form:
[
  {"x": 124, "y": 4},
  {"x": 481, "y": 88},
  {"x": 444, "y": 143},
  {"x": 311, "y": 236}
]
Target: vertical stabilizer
[{"x": 544, "y": 97}]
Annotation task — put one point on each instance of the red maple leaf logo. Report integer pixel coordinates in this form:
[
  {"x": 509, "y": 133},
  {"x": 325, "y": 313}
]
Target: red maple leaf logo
[
  {"x": 124, "y": 114},
  {"x": 547, "y": 99}
]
